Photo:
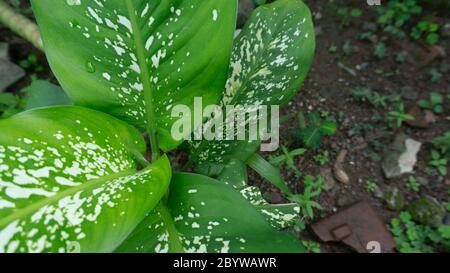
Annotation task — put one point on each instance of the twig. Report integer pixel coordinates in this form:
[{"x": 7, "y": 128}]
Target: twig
[{"x": 20, "y": 25}]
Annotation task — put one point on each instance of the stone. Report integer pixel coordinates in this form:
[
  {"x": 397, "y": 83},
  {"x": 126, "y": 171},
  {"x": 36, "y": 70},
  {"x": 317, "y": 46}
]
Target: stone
[
  {"x": 338, "y": 169},
  {"x": 419, "y": 120},
  {"x": 401, "y": 156},
  {"x": 245, "y": 9},
  {"x": 9, "y": 74},
  {"x": 427, "y": 211},
  {"x": 430, "y": 117},
  {"x": 394, "y": 199},
  {"x": 318, "y": 16}
]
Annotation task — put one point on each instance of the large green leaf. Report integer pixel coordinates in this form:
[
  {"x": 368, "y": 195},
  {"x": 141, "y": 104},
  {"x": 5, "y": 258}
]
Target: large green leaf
[
  {"x": 204, "y": 215},
  {"x": 69, "y": 181},
  {"x": 270, "y": 60},
  {"x": 280, "y": 216},
  {"x": 137, "y": 59}
]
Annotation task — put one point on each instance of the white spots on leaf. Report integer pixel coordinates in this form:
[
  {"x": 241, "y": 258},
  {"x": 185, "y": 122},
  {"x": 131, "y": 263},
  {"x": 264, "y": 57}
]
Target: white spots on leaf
[
  {"x": 145, "y": 11},
  {"x": 125, "y": 22},
  {"x": 6, "y": 234},
  {"x": 95, "y": 15},
  {"x": 149, "y": 42},
  {"x": 6, "y": 204},
  {"x": 111, "y": 25},
  {"x": 215, "y": 15},
  {"x": 106, "y": 76},
  {"x": 73, "y": 2}
]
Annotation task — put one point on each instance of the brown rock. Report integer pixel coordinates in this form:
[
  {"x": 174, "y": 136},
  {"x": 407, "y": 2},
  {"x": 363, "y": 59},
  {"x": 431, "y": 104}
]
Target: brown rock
[
  {"x": 419, "y": 118},
  {"x": 338, "y": 168},
  {"x": 430, "y": 117}
]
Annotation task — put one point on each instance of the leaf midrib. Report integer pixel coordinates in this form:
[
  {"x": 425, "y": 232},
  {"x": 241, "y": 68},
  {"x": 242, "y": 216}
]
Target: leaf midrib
[
  {"x": 145, "y": 79},
  {"x": 60, "y": 195},
  {"x": 175, "y": 245}
]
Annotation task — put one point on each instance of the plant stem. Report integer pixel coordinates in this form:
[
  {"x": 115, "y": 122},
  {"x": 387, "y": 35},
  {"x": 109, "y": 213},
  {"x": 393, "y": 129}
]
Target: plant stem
[
  {"x": 138, "y": 157},
  {"x": 20, "y": 25},
  {"x": 145, "y": 76}
]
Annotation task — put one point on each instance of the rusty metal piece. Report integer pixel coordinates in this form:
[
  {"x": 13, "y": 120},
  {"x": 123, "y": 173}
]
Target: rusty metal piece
[
  {"x": 358, "y": 227},
  {"x": 342, "y": 232}
]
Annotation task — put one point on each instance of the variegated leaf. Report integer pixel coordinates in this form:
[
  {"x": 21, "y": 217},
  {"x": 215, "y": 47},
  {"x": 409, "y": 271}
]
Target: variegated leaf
[
  {"x": 204, "y": 215},
  {"x": 280, "y": 216},
  {"x": 68, "y": 181},
  {"x": 137, "y": 59},
  {"x": 270, "y": 60}
]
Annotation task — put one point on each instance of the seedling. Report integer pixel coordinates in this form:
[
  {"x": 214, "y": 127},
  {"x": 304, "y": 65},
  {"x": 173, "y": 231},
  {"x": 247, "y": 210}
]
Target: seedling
[
  {"x": 323, "y": 158},
  {"x": 379, "y": 50},
  {"x": 426, "y": 29},
  {"x": 439, "y": 162},
  {"x": 313, "y": 188},
  {"x": 435, "y": 75},
  {"x": 400, "y": 57},
  {"x": 398, "y": 117},
  {"x": 362, "y": 94},
  {"x": 348, "y": 48},
  {"x": 332, "y": 49},
  {"x": 413, "y": 184},
  {"x": 365, "y": 94},
  {"x": 371, "y": 186},
  {"x": 434, "y": 103},
  {"x": 311, "y": 133},
  {"x": 442, "y": 144},
  {"x": 347, "y": 14},
  {"x": 311, "y": 246},
  {"x": 32, "y": 64},
  {"x": 288, "y": 158}
]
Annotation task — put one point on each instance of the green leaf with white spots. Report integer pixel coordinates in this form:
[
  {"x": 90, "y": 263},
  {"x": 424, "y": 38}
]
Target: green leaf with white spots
[
  {"x": 270, "y": 61},
  {"x": 204, "y": 215},
  {"x": 69, "y": 181},
  {"x": 280, "y": 216},
  {"x": 137, "y": 59}
]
